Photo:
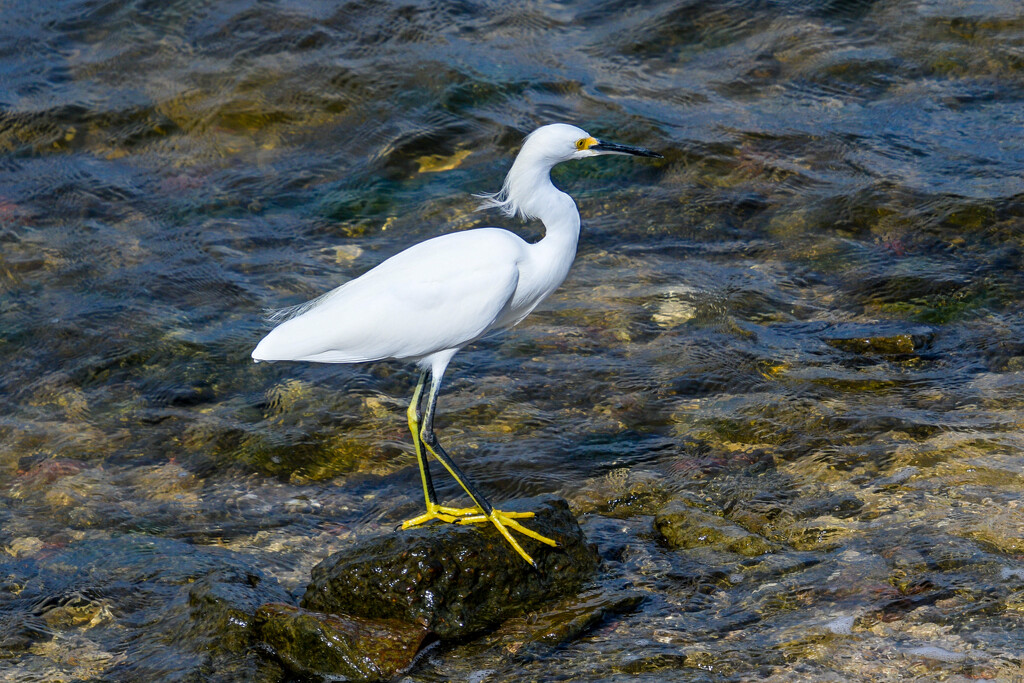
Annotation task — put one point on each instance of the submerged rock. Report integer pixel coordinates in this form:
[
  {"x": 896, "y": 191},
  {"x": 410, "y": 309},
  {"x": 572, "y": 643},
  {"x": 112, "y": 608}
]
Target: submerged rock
[
  {"x": 168, "y": 610},
  {"x": 20, "y": 631},
  {"x": 683, "y": 526},
  {"x": 333, "y": 646},
  {"x": 223, "y": 604},
  {"x": 935, "y": 653},
  {"x": 623, "y": 493},
  {"x": 456, "y": 580},
  {"x": 872, "y": 340},
  {"x": 565, "y": 621},
  {"x": 509, "y": 651}
]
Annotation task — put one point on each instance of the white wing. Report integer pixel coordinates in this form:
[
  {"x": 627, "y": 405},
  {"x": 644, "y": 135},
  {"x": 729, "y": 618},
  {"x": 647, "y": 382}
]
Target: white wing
[{"x": 439, "y": 294}]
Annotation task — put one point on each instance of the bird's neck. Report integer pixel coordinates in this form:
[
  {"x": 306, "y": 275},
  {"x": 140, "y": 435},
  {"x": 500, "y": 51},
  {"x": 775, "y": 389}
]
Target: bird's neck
[
  {"x": 554, "y": 253},
  {"x": 537, "y": 197}
]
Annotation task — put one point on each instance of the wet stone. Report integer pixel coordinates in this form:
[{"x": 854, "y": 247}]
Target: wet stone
[
  {"x": 622, "y": 493},
  {"x": 674, "y": 664},
  {"x": 20, "y": 631},
  {"x": 338, "y": 646},
  {"x": 535, "y": 636},
  {"x": 171, "y": 610},
  {"x": 822, "y": 533},
  {"x": 840, "y": 506},
  {"x": 880, "y": 338},
  {"x": 905, "y": 560},
  {"x": 1007, "y": 540},
  {"x": 223, "y": 604},
  {"x": 41, "y": 474},
  {"x": 77, "y": 609},
  {"x": 565, "y": 621},
  {"x": 456, "y": 580},
  {"x": 894, "y": 344},
  {"x": 683, "y": 526}
]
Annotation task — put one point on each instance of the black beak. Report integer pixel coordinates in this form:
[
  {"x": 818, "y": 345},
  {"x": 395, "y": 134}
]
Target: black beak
[{"x": 613, "y": 148}]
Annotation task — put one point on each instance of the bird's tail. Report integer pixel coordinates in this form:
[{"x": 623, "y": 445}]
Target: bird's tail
[{"x": 280, "y": 315}]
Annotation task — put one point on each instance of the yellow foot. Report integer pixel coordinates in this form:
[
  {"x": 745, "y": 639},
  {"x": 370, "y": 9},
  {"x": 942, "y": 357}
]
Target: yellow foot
[
  {"x": 505, "y": 521},
  {"x": 443, "y": 513}
]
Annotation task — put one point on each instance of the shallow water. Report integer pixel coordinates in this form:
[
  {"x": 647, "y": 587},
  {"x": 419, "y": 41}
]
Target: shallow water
[{"x": 806, "y": 319}]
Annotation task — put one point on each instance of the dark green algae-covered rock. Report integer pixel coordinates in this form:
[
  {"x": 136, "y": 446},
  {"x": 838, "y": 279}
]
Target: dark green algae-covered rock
[
  {"x": 332, "y": 645},
  {"x": 222, "y": 605},
  {"x": 456, "y": 580}
]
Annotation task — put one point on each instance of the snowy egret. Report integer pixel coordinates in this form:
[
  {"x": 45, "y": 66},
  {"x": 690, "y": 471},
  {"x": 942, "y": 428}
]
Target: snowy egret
[{"x": 429, "y": 301}]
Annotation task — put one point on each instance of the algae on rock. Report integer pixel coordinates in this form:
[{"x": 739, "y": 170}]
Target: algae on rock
[
  {"x": 457, "y": 580},
  {"x": 333, "y": 645}
]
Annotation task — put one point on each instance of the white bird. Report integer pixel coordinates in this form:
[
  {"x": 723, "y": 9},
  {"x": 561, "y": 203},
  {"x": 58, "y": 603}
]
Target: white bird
[{"x": 429, "y": 301}]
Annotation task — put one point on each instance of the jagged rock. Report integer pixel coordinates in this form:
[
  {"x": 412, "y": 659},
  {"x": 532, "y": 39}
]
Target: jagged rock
[
  {"x": 333, "y": 646},
  {"x": 456, "y": 580}
]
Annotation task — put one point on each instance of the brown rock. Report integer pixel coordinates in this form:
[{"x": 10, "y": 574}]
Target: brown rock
[{"x": 333, "y": 645}]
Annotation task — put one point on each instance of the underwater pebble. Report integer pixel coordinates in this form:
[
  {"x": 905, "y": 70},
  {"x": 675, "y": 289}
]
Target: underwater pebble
[
  {"x": 842, "y": 626},
  {"x": 302, "y": 504},
  {"x": 673, "y": 312},
  {"x": 898, "y": 477},
  {"x": 84, "y": 657},
  {"x": 1011, "y": 573},
  {"x": 25, "y": 546},
  {"x": 344, "y": 253},
  {"x": 935, "y": 652},
  {"x": 622, "y": 493}
]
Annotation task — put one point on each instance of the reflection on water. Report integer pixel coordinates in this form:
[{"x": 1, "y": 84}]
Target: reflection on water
[{"x": 804, "y": 321}]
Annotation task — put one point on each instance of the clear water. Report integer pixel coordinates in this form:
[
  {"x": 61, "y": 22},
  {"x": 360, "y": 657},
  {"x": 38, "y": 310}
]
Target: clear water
[{"x": 806, "y": 318}]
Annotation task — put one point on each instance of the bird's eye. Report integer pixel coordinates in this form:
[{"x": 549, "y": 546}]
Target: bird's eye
[{"x": 581, "y": 143}]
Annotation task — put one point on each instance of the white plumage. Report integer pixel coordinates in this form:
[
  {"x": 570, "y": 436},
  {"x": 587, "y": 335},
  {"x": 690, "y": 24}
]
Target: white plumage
[
  {"x": 440, "y": 294},
  {"x": 434, "y": 298}
]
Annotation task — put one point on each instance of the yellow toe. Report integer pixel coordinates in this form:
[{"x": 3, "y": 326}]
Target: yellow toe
[
  {"x": 459, "y": 512},
  {"x": 513, "y": 524},
  {"x": 442, "y": 513},
  {"x": 427, "y": 517},
  {"x": 504, "y": 521}
]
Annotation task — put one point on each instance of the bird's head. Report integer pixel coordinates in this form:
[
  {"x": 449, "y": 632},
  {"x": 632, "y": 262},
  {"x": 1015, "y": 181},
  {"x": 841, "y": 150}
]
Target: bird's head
[
  {"x": 558, "y": 142},
  {"x": 525, "y": 189}
]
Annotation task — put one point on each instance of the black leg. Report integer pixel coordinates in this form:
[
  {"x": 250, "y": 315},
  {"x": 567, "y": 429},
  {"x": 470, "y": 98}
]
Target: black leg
[
  {"x": 430, "y": 440},
  {"x": 427, "y": 441}
]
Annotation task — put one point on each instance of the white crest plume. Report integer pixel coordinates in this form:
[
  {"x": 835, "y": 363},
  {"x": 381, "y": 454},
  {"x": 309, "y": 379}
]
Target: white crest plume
[{"x": 542, "y": 149}]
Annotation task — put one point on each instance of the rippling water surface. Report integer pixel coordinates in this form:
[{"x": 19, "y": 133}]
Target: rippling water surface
[{"x": 805, "y": 320}]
